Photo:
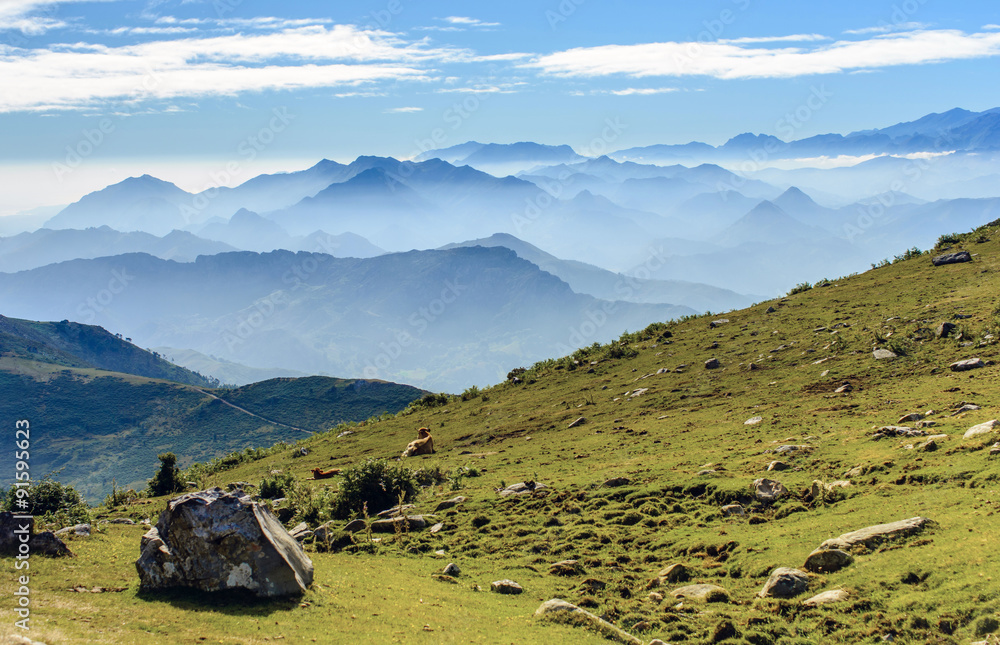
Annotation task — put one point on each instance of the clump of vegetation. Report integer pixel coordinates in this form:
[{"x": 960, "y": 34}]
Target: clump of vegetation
[
  {"x": 949, "y": 238},
  {"x": 167, "y": 480},
  {"x": 375, "y": 484},
  {"x": 199, "y": 471},
  {"x": 802, "y": 287},
  {"x": 50, "y": 502},
  {"x": 119, "y": 496},
  {"x": 909, "y": 254},
  {"x": 471, "y": 392},
  {"x": 275, "y": 486}
]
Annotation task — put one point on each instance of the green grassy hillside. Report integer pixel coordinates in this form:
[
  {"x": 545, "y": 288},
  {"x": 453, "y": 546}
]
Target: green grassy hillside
[
  {"x": 73, "y": 344},
  {"x": 674, "y": 435},
  {"x": 92, "y": 426}
]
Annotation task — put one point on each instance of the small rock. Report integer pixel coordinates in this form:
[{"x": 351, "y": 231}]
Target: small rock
[
  {"x": 355, "y": 525},
  {"x": 967, "y": 364},
  {"x": 826, "y": 598},
  {"x": 966, "y": 407},
  {"x": 872, "y": 535},
  {"x": 521, "y": 488},
  {"x": 593, "y": 585},
  {"x": 785, "y": 583},
  {"x": 712, "y": 363},
  {"x": 121, "y": 520},
  {"x": 733, "y": 509},
  {"x": 880, "y": 354},
  {"x": 706, "y": 592},
  {"x": 561, "y": 611},
  {"x": 916, "y": 416},
  {"x": 995, "y": 449},
  {"x": 397, "y": 524},
  {"x": 655, "y": 596},
  {"x": 676, "y": 572},
  {"x": 827, "y": 560},
  {"x": 951, "y": 258},
  {"x": 614, "y": 482},
  {"x": 508, "y": 587},
  {"x": 716, "y": 323},
  {"x": 768, "y": 490},
  {"x": 777, "y": 466},
  {"x": 770, "y": 310},
  {"x": 578, "y": 422},
  {"x": 566, "y": 568},
  {"x": 449, "y": 503},
  {"x": 982, "y": 428},
  {"x": 846, "y": 387},
  {"x": 452, "y": 570},
  {"x": 945, "y": 329},
  {"x": 752, "y": 421}
]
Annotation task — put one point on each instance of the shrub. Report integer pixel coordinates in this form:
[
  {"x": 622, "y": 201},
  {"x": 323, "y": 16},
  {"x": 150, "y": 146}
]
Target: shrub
[
  {"x": 909, "y": 254},
  {"x": 374, "y": 484},
  {"x": 802, "y": 287},
  {"x": 275, "y": 486},
  {"x": 950, "y": 238},
  {"x": 119, "y": 496},
  {"x": 619, "y": 350},
  {"x": 471, "y": 393},
  {"x": 167, "y": 480},
  {"x": 51, "y": 502}
]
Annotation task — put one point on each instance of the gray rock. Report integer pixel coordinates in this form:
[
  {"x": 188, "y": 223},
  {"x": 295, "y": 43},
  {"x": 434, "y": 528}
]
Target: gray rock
[
  {"x": 945, "y": 329},
  {"x": 508, "y": 587},
  {"x": 981, "y": 429},
  {"x": 768, "y": 490},
  {"x": 578, "y": 422},
  {"x": 826, "y": 598},
  {"x": 399, "y": 524},
  {"x": 521, "y": 488},
  {"x": 676, "y": 572},
  {"x": 452, "y": 570},
  {"x": 12, "y": 529},
  {"x": 437, "y": 527},
  {"x": 785, "y": 583},
  {"x": 789, "y": 448},
  {"x": 80, "y": 530},
  {"x": 706, "y": 592},
  {"x": 770, "y": 310},
  {"x": 777, "y": 466},
  {"x": 449, "y": 503},
  {"x": 566, "y": 568},
  {"x": 614, "y": 482},
  {"x": 845, "y": 388},
  {"x": 916, "y": 416},
  {"x": 752, "y": 421},
  {"x": 733, "y": 509},
  {"x": 216, "y": 541},
  {"x": 355, "y": 525},
  {"x": 872, "y": 535},
  {"x": 966, "y": 407},
  {"x": 121, "y": 520},
  {"x": 563, "y": 612},
  {"x": 300, "y": 531},
  {"x": 897, "y": 431},
  {"x": 712, "y": 363},
  {"x": 995, "y": 449},
  {"x": 827, "y": 560},
  {"x": 881, "y": 354},
  {"x": 967, "y": 364},
  {"x": 951, "y": 258},
  {"x": 396, "y": 511}
]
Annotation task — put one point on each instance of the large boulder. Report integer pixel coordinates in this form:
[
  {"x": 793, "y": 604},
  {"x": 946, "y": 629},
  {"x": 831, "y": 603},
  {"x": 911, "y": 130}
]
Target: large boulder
[
  {"x": 785, "y": 583},
  {"x": 768, "y": 490},
  {"x": 873, "y": 535},
  {"x": 14, "y": 528},
  {"x": 559, "y": 610},
  {"x": 951, "y": 258},
  {"x": 214, "y": 541}
]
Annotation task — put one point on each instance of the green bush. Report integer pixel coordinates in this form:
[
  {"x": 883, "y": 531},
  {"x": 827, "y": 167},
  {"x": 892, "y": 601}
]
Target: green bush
[
  {"x": 471, "y": 393},
  {"x": 375, "y": 485},
  {"x": 167, "y": 480},
  {"x": 275, "y": 486},
  {"x": 50, "y": 502},
  {"x": 119, "y": 496},
  {"x": 802, "y": 287}
]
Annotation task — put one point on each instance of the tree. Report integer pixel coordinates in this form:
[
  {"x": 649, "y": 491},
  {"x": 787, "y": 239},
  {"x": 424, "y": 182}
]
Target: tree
[{"x": 167, "y": 480}]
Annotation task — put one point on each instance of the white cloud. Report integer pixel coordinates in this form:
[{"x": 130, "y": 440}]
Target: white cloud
[
  {"x": 731, "y": 61},
  {"x": 644, "y": 91},
  {"x": 403, "y": 110},
  {"x": 82, "y": 75},
  {"x": 795, "y": 38},
  {"x": 470, "y": 22},
  {"x": 32, "y": 17},
  {"x": 991, "y": 27},
  {"x": 886, "y": 28}
]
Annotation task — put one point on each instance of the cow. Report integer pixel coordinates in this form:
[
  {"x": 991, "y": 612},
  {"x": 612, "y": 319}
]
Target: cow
[
  {"x": 422, "y": 445},
  {"x": 319, "y": 473}
]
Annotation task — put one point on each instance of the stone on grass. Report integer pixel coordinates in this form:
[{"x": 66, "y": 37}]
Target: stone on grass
[
  {"x": 777, "y": 466},
  {"x": 218, "y": 541},
  {"x": 712, "y": 363},
  {"x": 982, "y": 428},
  {"x": 768, "y": 490},
  {"x": 356, "y": 525},
  {"x": 945, "y": 329},
  {"x": 733, "y": 509},
  {"x": 452, "y": 570},
  {"x": 951, "y": 258},
  {"x": 449, "y": 503},
  {"x": 559, "y": 610},
  {"x": 785, "y": 583},
  {"x": 521, "y": 488},
  {"x": 826, "y": 598},
  {"x": 706, "y": 592},
  {"x": 44, "y": 543},
  {"x": 752, "y": 421},
  {"x": 872, "y": 535},
  {"x": 881, "y": 354},
  {"x": 579, "y": 422},
  {"x": 566, "y": 568},
  {"x": 827, "y": 560},
  {"x": 843, "y": 389},
  {"x": 400, "y": 524},
  {"x": 916, "y": 416},
  {"x": 995, "y": 449},
  {"x": 507, "y": 587},
  {"x": 614, "y": 482},
  {"x": 967, "y": 364},
  {"x": 79, "y": 530},
  {"x": 676, "y": 572}
]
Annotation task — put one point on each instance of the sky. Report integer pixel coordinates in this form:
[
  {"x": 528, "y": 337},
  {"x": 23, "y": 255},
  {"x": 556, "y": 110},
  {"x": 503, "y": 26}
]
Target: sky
[{"x": 209, "y": 92}]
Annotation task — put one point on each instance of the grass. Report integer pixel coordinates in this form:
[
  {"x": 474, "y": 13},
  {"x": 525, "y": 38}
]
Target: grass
[{"x": 938, "y": 586}]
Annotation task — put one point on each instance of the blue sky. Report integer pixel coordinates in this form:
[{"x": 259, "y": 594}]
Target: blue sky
[{"x": 178, "y": 88}]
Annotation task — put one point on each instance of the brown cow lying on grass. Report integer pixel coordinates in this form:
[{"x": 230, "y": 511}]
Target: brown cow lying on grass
[
  {"x": 422, "y": 445},
  {"x": 319, "y": 473}
]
